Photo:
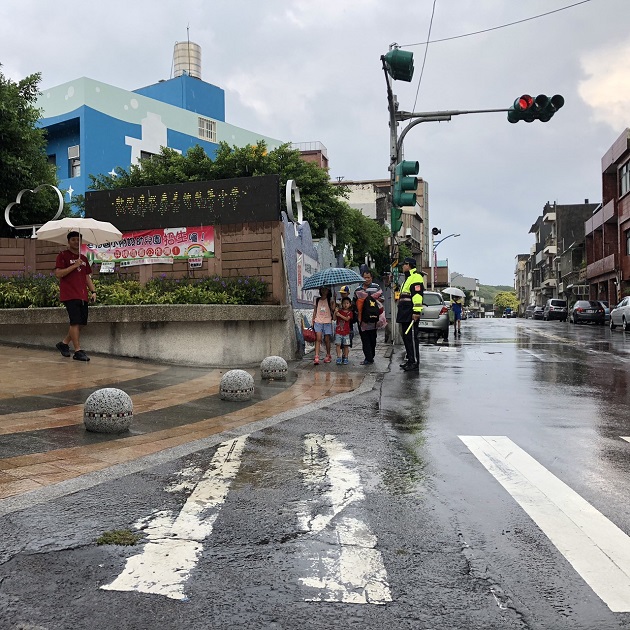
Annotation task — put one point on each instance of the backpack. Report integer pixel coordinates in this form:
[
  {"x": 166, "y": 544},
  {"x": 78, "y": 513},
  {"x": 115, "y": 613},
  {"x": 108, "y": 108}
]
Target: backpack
[{"x": 370, "y": 311}]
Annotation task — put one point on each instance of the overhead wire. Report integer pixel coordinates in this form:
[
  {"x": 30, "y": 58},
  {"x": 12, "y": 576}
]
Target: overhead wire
[
  {"x": 426, "y": 50},
  {"x": 494, "y": 28}
]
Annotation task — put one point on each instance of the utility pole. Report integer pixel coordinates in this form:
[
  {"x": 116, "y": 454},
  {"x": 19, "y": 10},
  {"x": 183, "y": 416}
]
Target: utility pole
[{"x": 398, "y": 65}]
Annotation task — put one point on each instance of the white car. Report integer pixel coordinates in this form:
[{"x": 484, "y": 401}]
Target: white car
[{"x": 620, "y": 315}]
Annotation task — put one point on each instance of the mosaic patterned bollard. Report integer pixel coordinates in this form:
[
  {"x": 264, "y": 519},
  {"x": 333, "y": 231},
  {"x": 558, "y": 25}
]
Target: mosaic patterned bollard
[
  {"x": 274, "y": 367},
  {"x": 236, "y": 385},
  {"x": 108, "y": 410}
]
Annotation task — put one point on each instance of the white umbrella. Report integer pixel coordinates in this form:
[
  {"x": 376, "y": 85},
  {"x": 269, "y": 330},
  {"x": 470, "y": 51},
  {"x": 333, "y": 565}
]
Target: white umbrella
[
  {"x": 454, "y": 291},
  {"x": 91, "y": 231}
]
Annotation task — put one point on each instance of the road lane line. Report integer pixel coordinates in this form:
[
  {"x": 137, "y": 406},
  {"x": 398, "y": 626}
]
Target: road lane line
[
  {"x": 596, "y": 548},
  {"x": 175, "y": 544},
  {"x": 344, "y": 564}
]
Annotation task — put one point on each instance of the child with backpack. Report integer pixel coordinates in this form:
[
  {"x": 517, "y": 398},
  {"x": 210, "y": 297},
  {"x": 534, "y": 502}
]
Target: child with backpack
[{"x": 343, "y": 316}]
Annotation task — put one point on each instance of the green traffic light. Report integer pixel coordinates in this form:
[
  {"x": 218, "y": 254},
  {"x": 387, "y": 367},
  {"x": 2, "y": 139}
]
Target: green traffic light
[
  {"x": 396, "y": 221},
  {"x": 403, "y": 183},
  {"x": 399, "y": 64}
]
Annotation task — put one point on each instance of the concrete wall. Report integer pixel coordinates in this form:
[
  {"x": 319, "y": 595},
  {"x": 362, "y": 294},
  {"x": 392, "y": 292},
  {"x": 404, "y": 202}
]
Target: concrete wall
[{"x": 208, "y": 335}]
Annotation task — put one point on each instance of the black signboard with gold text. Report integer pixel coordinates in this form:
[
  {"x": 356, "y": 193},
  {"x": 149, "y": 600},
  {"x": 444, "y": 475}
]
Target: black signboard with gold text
[{"x": 218, "y": 202}]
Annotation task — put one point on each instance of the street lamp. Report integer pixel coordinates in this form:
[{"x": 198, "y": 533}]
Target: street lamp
[{"x": 434, "y": 244}]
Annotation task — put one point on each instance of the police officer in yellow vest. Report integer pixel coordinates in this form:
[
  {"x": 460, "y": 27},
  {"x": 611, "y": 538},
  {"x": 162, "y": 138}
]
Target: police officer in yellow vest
[{"x": 409, "y": 309}]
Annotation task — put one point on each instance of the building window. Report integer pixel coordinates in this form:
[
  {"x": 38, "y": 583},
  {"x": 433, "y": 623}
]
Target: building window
[
  {"x": 207, "y": 129},
  {"x": 627, "y": 242},
  {"x": 75, "y": 167},
  {"x": 146, "y": 155},
  {"x": 624, "y": 179},
  {"x": 52, "y": 159}
]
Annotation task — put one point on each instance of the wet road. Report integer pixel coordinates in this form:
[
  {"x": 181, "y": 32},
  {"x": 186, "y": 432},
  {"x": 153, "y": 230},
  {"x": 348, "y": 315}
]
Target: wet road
[
  {"x": 487, "y": 491},
  {"x": 523, "y": 426}
]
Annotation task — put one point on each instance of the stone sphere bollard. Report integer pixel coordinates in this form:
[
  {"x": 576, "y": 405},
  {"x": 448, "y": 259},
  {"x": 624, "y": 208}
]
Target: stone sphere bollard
[
  {"x": 108, "y": 410},
  {"x": 236, "y": 385},
  {"x": 274, "y": 367}
]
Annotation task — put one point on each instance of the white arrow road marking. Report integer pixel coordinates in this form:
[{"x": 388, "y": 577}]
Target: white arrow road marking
[
  {"x": 345, "y": 564},
  {"x": 596, "y": 548},
  {"x": 175, "y": 544}
]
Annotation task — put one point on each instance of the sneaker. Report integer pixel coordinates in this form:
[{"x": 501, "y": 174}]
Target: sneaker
[
  {"x": 64, "y": 348},
  {"x": 338, "y": 362},
  {"x": 345, "y": 361},
  {"x": 79, "y": 355},
  {"x": 316, "y": 361},
  {"x": 328, "y": 359},
  {"x": 366, "y": 362}
]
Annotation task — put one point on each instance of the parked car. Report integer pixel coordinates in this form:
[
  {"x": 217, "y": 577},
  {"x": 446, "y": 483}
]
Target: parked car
[
  {"x": 604, "y": 303},
  {"x": 555, "y": 309},
  {"x": 620, "y": 315},
  {"x": 538, "y": 313},
  {"x": 434, "y": 318},
  {"x": 529, "y": 312},
  {"x": 585, "y": 311}
]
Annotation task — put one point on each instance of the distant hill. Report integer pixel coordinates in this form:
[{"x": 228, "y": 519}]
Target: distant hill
[{"x": 488, "y": 292}]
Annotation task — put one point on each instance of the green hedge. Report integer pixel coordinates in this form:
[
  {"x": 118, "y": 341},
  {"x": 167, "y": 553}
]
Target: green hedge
[{"x": 39, "y": 290}]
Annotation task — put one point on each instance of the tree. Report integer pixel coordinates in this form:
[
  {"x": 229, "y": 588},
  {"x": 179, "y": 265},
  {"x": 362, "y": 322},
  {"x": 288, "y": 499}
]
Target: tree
[
  {"x": 23, "y": 160},
  {"x": 506, "y": 299},
  {"x": 323, "y": 203}
]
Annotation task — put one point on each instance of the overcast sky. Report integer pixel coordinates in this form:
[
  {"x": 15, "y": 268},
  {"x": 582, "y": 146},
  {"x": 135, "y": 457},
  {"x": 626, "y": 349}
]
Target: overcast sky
[{"x": 310, "y": 70}]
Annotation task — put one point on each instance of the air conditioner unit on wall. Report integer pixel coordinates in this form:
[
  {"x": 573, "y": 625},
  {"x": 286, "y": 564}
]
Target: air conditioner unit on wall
[{"x": 73, "y": 152}]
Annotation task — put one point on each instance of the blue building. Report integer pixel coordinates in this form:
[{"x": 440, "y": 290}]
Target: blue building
[{"x": 94, "y": 127}]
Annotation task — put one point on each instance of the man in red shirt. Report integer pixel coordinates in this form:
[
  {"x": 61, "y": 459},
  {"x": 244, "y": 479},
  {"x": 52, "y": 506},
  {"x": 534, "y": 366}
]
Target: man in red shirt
[{"x": 74, "y": 273}]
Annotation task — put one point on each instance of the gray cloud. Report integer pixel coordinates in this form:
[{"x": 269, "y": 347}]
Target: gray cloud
[{"x": 301, "y": 70}]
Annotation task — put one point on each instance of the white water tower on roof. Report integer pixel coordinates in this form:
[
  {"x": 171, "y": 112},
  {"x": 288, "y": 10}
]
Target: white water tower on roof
[{"x": 187, "y": 59}]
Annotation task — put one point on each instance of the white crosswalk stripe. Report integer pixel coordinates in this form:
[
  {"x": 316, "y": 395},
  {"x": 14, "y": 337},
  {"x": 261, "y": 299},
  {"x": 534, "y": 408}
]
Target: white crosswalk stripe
[
  {"x": 345, "y": 565},
  {"x": 596, "y": 548},
  {"x": 175, "y": 544}
]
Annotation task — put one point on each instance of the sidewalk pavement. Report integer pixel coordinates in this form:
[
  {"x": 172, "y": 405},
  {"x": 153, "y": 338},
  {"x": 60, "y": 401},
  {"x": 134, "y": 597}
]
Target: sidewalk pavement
[{"x": 43, "y": 440}]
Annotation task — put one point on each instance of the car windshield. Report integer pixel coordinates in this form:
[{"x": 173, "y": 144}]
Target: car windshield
[{"x": 558, "y": 303}]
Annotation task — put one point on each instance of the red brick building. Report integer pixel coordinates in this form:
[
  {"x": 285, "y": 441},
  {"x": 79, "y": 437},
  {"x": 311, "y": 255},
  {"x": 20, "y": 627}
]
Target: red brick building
[{"x": 607, "y": 232}]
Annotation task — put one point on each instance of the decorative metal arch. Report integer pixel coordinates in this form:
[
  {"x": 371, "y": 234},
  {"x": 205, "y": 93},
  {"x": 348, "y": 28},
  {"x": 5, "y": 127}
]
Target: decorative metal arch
[{"x": 18, "y": 200}]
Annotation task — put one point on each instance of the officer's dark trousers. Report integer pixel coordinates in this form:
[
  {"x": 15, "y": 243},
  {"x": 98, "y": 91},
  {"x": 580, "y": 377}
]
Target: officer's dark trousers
[
  {"x": 411, "y": 340},
  {"x": 368, "y": 343}
]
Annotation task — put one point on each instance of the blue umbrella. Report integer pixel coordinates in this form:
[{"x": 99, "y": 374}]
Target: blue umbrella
[{"x": 332, "y": 276}]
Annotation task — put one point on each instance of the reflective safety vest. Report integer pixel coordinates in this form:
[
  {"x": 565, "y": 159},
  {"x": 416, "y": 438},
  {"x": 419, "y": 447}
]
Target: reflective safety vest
[{"x": 412, "y": 291}]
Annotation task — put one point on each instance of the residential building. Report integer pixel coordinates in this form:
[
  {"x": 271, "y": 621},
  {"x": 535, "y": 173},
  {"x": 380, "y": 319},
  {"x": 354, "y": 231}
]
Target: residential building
[
  {"x": 314, "y": 152},
  {"x": 540, "y": 262},
  {"x": 607, "y": 232},
  {"x": 558, "y": 230},
  {"x": 521, "y": 285},
  {"x": 93, "y": 127}
]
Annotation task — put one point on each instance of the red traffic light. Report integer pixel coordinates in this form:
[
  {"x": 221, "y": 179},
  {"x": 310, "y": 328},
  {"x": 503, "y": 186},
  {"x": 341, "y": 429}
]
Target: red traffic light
[{"x": 524, "y": 102}]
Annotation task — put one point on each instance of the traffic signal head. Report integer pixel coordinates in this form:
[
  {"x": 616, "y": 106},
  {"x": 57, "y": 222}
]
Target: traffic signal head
[
  {"x": 523, "y": 109},
  {"x": 404, "y": 183},
  {"x": 396, "y": 219},
  {"x": 540, "y": 108},
  {"x": 399, "y": 64}
]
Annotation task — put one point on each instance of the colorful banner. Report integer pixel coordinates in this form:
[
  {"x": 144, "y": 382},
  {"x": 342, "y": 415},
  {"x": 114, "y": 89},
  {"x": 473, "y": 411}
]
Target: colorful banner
[{"x": 161, "y": 246}]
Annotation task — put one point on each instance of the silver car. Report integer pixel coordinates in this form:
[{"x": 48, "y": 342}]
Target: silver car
[
  {"x": 620, "y": 315},
  {"x": 434, "y": 317}
]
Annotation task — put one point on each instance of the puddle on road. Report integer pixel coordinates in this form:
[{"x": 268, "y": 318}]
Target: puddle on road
[{"x": 405, "y": 472}]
